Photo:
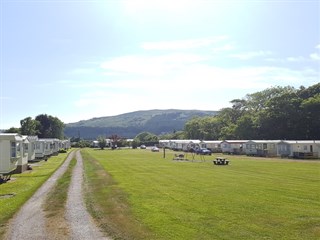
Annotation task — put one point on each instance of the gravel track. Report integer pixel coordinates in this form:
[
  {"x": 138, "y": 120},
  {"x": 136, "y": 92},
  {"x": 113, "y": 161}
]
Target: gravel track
[
  {"x": 80, "y": 221},
  {"x": 30, "y": 222}
]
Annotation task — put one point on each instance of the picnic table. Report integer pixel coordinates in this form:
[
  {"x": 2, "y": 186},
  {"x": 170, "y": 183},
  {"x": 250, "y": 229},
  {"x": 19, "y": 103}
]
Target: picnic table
[
  {"x": 179, "y": 157},
  {"x": 220, "y": 161}
]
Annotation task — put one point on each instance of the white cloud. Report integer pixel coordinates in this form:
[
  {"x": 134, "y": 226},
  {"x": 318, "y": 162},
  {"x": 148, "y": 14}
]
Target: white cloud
[
  {"x": 192, "y": 67},
  {"x": 250, "y": 55},
  {"x": 315, "y": 56},
  {"x": 295, "y": 59},
  {"x": 150, "y": 65},
  {"x": 182, "y": 44},
  {"x": 184, "y": 79},
  {"x": 138, "y": 6},
  {"x": 193, "y": 72},
  {"x": 83, "y": 71},
  {"x": 207, "y": 78},
  {"x": 196, "y": 85},
  {"x": 226, "y": 47}
]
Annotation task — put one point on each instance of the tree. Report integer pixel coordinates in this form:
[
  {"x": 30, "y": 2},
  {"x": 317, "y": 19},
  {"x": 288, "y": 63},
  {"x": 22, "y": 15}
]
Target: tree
[
  {"x": 13, "y": 130},
  {"x": 29, "y": 126},
  {"x": 192, "y": 128},
  {"x": 281, "y": 119},
  {"x": 102, "y": 142},
  {"x": 146, "y": 138},
  {"x": 49, "y": 126},
  {"x": 173, "y": 135},
  {"x": 246, "y": 128},
  {"x": 115, "y": 139},
  {"x": 311, "y": 112}
]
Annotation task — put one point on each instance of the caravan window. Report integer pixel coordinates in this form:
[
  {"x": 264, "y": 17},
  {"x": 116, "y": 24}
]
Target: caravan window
[
  {"x": 37, "y": 145},
  {"x": 15, "y": 149}
]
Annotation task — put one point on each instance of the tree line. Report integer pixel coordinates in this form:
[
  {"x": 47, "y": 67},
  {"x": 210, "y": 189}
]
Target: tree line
[
  {"x": 274, "y": 113},
  {"x": 43, "y": 126}
]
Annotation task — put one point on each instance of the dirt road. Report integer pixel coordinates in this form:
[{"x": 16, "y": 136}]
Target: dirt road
[
  {"x": 30, "y": 222},
  {"x": 81, "y": 224}
]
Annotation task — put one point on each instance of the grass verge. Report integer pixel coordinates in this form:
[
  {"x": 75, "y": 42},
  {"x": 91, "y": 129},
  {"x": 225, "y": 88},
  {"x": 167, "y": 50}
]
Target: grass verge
[
  {"x": 108, "y": 204},
  {"x": 24, "y": 185},
  {"x": 253, "y": 198},
  {"x": 54, "y": 205}
]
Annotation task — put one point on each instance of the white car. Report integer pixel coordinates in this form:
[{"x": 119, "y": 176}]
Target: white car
[{"x": 154, "y": 149}]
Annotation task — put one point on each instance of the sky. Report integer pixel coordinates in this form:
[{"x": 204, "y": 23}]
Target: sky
[{"x": 76, "y": 60}]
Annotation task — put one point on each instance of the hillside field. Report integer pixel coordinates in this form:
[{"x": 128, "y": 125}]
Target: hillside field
[{"x": 253, "y": 198}]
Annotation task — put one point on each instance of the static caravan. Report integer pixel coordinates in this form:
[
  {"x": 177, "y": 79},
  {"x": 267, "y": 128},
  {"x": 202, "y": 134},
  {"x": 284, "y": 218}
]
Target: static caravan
[
  {"x": 305, "y": 149},
  {"x": 214, "y": 146},
  {"x": 44, "y": 148},
  {"x": 22, "y": 164},
  {"x": 32, "y": 148},
  {"x": 10, "y": 152},
  {"x": 283, "y": 149},
  {"x": 55, "y": 146},
  {"x": 233, "y": 146},
  {"x": 264, "y": 148},
  {"x": 191, "y": 144},
  {"x": 172, "y": 144},
  {"x": 164, "y": 143},
  {"x": 49, "y": 146},
  {"x": 185, "y": 145},
  {"x": 39, "y": 150},
  {"x": 65, "y": 144},
  {"x": 94, "y": 144}
]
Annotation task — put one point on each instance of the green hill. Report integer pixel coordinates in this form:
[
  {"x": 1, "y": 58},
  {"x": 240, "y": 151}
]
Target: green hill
[{"x": 130, "y": 124}]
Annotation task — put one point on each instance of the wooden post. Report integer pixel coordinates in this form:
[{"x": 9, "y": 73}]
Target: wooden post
[{"x": 164, "y": 152}]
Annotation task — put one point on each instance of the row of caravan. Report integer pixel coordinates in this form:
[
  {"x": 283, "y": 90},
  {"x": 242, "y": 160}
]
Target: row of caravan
[
  {"x": 263, "y": 148},
  {"x": 17, "y": 150}
]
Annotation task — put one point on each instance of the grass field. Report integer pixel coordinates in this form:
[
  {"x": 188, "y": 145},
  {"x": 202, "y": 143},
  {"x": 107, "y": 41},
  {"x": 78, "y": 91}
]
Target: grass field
[
  {"x": 23, "y": 186},
  {"x": 253, "y": 198}
]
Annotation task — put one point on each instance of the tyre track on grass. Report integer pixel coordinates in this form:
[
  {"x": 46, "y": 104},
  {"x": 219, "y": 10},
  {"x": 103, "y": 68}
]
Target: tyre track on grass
[
  {"x": 80, "y": 221},
  {"x": 30, "y": 221}
]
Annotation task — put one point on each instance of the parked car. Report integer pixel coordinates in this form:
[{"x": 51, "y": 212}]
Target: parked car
[
  {"x": 143, "y": 147},
  {"x": 203, "y": 151},
  {"x": 154, "y": 149}
]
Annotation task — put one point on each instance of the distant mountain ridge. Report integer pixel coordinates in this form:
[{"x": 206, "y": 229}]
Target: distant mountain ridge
[{"x": 130, "y": 124}]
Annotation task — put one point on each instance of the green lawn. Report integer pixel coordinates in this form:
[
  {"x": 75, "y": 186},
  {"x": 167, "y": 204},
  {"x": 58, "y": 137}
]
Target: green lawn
[
  {"x": 253, "y": 198},
  {"x": 23, "y": 186}
]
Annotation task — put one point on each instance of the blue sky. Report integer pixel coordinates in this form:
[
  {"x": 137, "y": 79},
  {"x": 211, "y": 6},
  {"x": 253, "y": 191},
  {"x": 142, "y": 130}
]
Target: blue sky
[{"x": 77, "y": 60}]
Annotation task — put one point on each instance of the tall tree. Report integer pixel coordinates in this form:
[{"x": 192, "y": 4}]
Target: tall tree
[
  {"x": 192, "y": 128},
  {"x": 29, "y": 126},
  {"x": 57, "y": 127},
  {"x": 50, "y": 127},
  {"x": 311, "y": 115}
]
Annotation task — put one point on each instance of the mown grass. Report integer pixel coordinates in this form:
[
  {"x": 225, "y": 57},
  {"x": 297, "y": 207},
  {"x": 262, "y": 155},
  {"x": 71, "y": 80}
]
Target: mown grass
[
  {"x": 253, "y": 198},
  {"x": 23, "y": 186},
  {"x": 57, "y": 197},
  {"x": 54, "y": 205},
  {"x": 108, "y": 204}
]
